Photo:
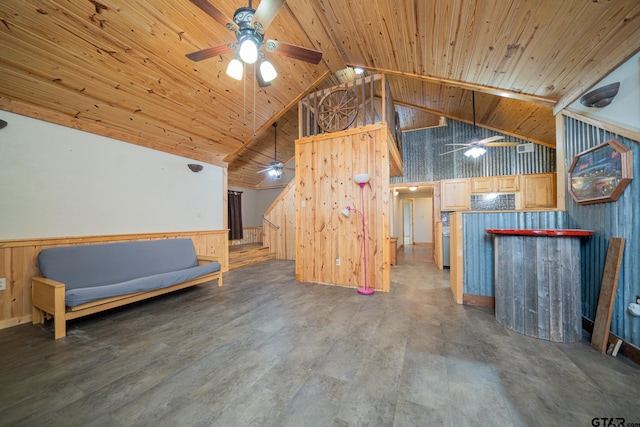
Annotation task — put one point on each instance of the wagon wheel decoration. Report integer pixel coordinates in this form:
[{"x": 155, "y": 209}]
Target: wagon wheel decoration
[{"x": 337, "y": 110}]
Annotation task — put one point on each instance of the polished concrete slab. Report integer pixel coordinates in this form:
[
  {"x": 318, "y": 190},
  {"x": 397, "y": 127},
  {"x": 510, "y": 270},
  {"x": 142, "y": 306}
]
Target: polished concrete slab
[{"x": 265, "y": 350}]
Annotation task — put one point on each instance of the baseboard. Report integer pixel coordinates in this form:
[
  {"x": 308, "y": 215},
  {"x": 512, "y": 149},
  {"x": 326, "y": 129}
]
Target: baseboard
[
  {"x": 479, "y": 300},
  {"x": 629, "y": 350}
]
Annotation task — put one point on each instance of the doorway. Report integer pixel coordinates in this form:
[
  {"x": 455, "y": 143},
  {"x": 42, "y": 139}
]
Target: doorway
[{"x": 407, "y": 209}]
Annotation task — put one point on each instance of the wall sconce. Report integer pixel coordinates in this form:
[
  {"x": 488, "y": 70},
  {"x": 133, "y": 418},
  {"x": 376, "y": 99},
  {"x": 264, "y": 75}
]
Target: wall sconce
[
  {"x": 361, "y": 179},
  {"x": 195, "y": 167}
]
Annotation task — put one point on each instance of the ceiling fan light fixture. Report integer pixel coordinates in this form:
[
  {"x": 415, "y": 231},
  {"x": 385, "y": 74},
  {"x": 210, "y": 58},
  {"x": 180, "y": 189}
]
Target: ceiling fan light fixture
[
  {"x": 234, "y": 69},
  {"x": 475, "y": 152},
  {"x": 249, "y": 49},
  {"x": 268, "y": 71},
  {"x": 275, "y": 173}
]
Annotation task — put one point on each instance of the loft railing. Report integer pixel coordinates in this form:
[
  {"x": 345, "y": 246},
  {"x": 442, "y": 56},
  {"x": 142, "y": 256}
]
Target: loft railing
[{"x": 362, "y": 102}]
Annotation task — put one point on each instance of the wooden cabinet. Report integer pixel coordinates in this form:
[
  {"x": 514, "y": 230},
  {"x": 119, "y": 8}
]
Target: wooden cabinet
[
  {"x": 393, "y": 250},
  {"x": 508, "y": 184},
  {"x": 538, "y": 191},
  {"x": 454, "y": 195},
  {"x": 495, "y": 184}
]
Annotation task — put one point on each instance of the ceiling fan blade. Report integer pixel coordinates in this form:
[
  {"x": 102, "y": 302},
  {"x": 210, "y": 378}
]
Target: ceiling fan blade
[
  {"x": 457, "y": 149},
  {"x": 266, "y": 11},
  {"x": 501, "y": 144},
  {"x": 215, "y": 13},
  {"x": 466, "y": 145},
  {"x": 293, "y": 51},
  {"x": 490, "y": 139},
  {"x": 264, "y": 170},
  {"x": 210, "y": 52}
]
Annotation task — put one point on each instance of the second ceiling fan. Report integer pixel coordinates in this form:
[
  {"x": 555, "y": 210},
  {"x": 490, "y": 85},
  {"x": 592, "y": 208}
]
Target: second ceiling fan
[
  {"x": 275, "y": 168},
  {"x": 476, "y": 147},
  {"x": 249, "y": 26}
]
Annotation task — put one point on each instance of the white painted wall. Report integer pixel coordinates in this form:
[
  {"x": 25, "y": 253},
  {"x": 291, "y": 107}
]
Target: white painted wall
[
  {"x": 57, "y": 181},
  {"x": 423, "y": 216},
  {"x": 624, "y": 110},
  {"x": 396, "y": 217},
  {"x": 255, "y": 203}
]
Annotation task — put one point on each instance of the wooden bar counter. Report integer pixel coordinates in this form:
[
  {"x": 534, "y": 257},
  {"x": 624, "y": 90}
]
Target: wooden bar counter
[{"x": 538, "y": 284}]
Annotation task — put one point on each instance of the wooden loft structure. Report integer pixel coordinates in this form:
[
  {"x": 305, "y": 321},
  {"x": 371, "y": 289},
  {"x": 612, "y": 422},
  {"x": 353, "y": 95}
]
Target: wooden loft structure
[
  {"x": 361, "y": 102},
  {"x": 345, "y": 130}
]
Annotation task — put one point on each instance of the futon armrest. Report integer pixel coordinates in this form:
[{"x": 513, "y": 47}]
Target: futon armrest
[
  {"x": 47, "y": 295},
  {"x": 38, "y": 281},
  {"x": 205, "y": 259}
]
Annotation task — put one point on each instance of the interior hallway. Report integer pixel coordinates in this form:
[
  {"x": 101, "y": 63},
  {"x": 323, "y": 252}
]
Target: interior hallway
[{"x": 266, "y": 350}]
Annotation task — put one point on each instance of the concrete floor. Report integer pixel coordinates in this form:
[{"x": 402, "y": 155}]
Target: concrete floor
[{"x": 265, "y": 350}]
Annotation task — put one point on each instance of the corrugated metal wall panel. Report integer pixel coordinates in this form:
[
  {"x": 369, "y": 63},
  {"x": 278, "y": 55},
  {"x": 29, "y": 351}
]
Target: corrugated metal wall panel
[
  {"x": 478, "y": 250},
  {"x": 422, "y": 158},
  {"x": 614, "y": 219}
]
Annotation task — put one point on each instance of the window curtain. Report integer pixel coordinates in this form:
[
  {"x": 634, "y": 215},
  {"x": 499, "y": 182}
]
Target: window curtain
[{"x": 235, "y": 215}]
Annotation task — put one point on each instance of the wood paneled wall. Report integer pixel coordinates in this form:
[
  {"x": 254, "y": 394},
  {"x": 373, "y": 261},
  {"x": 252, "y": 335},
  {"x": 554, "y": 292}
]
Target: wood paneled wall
[
  {"x": 282, "y": 212},
  {"x": 18, "y": 264},
  {"x": 249, "y": 235},
  {"x": 325, "y": 165}
]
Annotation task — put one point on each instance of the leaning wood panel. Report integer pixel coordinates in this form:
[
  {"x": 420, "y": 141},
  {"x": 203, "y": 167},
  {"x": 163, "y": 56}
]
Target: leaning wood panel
[
  {"x": 18, "y": 264},
  {"x": 607, "y": 294}
]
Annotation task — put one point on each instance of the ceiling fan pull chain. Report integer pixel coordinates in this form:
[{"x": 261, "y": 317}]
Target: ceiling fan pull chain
[
  {"x": 254, "y": 100},
  {"x": 244, "y": 95}
]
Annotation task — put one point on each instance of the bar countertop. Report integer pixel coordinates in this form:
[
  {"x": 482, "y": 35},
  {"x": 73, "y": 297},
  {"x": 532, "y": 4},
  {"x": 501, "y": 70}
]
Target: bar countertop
[{"x": 544, "y": 233}]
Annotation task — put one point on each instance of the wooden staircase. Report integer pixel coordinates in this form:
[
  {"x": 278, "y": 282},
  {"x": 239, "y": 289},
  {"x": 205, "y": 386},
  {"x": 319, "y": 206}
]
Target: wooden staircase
[{"x": 248, "y": 254}]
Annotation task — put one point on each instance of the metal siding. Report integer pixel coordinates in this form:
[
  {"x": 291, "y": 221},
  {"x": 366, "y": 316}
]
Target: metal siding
[
  {"x": 478, "y": 252},
  {"x": 615, "y": 219},
  {"x": 422, "y": 160}
]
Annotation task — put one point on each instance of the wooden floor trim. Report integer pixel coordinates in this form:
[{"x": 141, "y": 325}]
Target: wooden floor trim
[{"x": 479, "y": 300}]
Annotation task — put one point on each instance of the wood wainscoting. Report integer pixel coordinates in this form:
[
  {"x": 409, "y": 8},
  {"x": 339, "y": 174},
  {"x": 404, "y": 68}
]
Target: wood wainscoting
[
  {"x": 249, "y": 235},
  {"x": 18, "y": 263},
  {"x": 280, "y": 225}
]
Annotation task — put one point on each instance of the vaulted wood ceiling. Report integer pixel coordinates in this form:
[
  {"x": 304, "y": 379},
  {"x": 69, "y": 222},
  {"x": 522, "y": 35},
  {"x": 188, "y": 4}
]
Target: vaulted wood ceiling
[{"x": 118, "y": 67}]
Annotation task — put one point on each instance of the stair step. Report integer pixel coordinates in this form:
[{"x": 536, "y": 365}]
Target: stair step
[{"x": 249, "y": 254}]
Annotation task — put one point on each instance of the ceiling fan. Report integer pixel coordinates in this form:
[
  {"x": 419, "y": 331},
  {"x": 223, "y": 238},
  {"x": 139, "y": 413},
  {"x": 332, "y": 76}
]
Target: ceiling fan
[
  {"x": 274, "y": 170},
  {"x": 249, "y": 26},
  {"x": 476, "y": 147}
]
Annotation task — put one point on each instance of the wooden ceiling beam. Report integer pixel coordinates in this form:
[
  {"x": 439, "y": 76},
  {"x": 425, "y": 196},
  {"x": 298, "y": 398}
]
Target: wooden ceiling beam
[
  {"x": 460, "y": 119},
  {"x": 463, "y": 85}
]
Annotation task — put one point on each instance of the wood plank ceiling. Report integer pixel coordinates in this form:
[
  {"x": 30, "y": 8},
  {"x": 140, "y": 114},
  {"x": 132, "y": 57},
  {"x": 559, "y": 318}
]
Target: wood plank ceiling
[{"x": 118, "y": 67}]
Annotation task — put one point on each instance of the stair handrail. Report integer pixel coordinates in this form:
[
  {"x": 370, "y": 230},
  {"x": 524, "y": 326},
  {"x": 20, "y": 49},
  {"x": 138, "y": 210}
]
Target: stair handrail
[{"x": 274, "y": 225}]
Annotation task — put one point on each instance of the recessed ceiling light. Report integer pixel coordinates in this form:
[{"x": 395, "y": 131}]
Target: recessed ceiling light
[{"x": 413, "y": 188}]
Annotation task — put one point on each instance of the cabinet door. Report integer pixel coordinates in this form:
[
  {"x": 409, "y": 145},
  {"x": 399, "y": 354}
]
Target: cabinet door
[
  {"x": 538, "y": 190},
  {"x": 507, "y": 184},
  {"x": 454, "y": 194},
  {"x": 483, "y": 184}
]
